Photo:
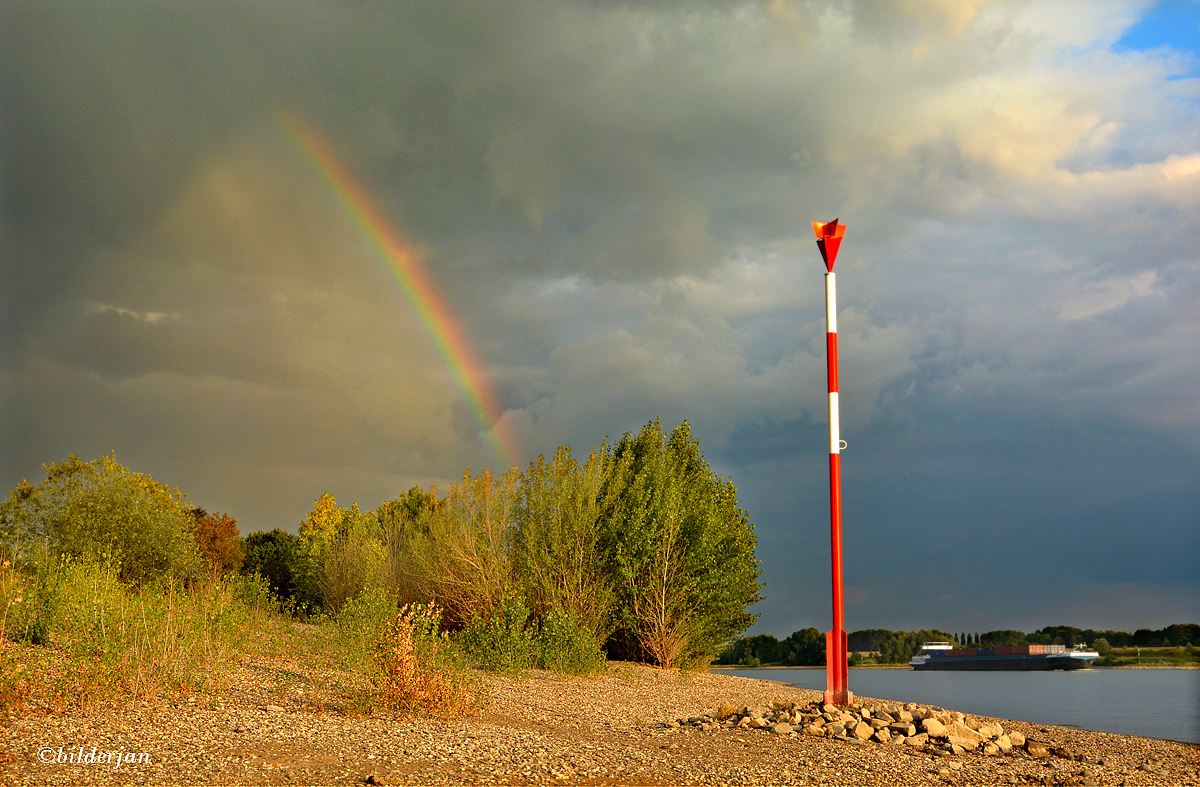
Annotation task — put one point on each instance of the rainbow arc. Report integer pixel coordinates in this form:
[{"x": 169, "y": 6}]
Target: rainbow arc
[{"x": 406, "y": 267}]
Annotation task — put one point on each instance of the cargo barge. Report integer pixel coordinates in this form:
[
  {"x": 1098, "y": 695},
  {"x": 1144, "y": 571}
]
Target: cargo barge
[{"x": 1022, "y": 658}]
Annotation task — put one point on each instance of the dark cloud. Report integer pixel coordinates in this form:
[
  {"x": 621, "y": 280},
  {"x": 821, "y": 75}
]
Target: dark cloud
[{"x": 613, "y": 200}]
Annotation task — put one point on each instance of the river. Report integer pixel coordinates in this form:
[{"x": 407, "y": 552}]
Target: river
[{"x": 1151, "y": 703}]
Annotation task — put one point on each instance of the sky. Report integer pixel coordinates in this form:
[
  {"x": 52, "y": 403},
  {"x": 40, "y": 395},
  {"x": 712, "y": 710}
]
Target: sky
[{"x": 267, "y": 250}]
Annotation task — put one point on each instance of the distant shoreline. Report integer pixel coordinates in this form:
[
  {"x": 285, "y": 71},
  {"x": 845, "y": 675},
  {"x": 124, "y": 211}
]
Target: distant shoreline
[{"x": 726, "y": 667}]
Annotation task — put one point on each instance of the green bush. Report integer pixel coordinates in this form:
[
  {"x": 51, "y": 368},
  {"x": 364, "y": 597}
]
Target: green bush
[
  {"x": 100, "y": 509},
  {"x": 360, "y": 620},
  {"x": 510, "y": 640},
  {"x": 564, "y": 644},
  {"x": 278, "y": 557},
  {"x": 501, "y": 640}
]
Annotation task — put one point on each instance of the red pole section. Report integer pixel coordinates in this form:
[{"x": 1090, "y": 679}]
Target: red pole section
[{"x": 837, "y": 666}]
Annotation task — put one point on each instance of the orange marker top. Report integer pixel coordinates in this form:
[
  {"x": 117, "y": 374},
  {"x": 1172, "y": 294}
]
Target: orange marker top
[{"x": 829, "y": 238}]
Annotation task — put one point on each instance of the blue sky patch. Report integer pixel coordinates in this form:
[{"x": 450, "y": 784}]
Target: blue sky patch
[{"x": 1175, "y": 24}]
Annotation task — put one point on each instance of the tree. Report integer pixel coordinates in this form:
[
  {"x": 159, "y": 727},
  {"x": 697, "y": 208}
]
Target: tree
[
  {"x": 344, "y": 553},
  {"x": 277, "y": 556},
  {"x": 1002, "y": 637},
  {"x": 805, "y": 647},
  {"x": 101, "y": 510},
  {"x": 556, "y": 555},
  {"x": 217, "y": 539},
  {"x": 867, "y": 640},
  {"x": 679, "y": 548},
  {"x": 903, "y": 645},
  {"x": 462, "y": 556}
]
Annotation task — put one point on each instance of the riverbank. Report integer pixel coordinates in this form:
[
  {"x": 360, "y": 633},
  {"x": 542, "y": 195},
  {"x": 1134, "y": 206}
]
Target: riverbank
[{"x": 611, "y": 729}]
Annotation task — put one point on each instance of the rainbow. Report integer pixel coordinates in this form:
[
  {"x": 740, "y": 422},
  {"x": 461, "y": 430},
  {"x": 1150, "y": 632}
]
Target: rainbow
[{"x": 405, "y": 265}]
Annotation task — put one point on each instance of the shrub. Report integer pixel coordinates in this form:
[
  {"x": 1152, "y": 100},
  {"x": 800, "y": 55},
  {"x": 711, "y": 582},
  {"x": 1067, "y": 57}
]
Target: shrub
[
  {"x": 502, "y": 639},
  {"x": 360, "y": 621},
  {"x": 217, "y": 539},
  {"x": 114, "y": 641},
  {"x": 342, "y": 554},
  {"x": 564, "y": 644},
  {"x": 278, "y": 557},
  {"x": 418, "y": 669},
  {"x": 99, "y": 509}
]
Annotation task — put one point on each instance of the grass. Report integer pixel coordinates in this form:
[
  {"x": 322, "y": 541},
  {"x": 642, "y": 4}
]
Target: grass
[{"x": 72, "y": 636}]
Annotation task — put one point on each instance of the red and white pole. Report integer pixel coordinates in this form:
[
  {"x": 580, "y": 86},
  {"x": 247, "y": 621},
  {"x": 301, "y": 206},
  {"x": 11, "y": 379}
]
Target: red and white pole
[{"x": 837, "y": 662}]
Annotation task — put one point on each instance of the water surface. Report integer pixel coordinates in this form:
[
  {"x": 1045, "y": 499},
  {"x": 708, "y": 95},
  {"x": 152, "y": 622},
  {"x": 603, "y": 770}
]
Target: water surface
[{"x": 1150, "y": 703}]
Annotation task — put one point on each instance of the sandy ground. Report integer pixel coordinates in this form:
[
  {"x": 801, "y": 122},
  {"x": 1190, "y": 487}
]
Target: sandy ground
[{"x": 544, "y": 729}]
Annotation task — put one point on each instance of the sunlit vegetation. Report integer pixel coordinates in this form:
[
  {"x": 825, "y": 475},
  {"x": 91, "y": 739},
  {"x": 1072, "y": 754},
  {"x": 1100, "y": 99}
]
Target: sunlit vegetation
[{"x": 114, "y": 586}]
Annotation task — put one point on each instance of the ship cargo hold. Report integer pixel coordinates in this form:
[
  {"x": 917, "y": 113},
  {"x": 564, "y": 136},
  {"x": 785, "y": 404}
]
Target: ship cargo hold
[{"x": 1022, "y": 658}]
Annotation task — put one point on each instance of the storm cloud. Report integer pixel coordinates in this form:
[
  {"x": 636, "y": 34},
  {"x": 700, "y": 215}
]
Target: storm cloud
[{"x": 614, "y": 200}]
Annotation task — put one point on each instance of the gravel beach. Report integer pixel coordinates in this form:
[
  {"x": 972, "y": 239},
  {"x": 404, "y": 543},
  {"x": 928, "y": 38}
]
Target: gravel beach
[{"x": 545, "y": 729}]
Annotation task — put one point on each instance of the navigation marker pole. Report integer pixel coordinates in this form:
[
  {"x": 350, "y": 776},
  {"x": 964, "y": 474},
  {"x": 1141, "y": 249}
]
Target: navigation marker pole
[{"x": 837, "y": 666}]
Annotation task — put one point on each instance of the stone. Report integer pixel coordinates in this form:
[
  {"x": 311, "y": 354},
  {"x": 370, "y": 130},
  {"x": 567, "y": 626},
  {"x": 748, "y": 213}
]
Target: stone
[
  {"x": 933, "y": 727},
  {"x": 758, "y": 711},
  {"x": 903, "y": 728},
  {"x": 903, "y": 715},
  {"x": 862, "y": 731},
  {"x": 827, "y": 708},
  {"x": 956, "y": 749},
  {"x": 956, "y": 766},
  {"x": 910, "y": 707},
  {"x": 381, "y": 779},
  {"x": 1035, "y": 749},
  {"x": 919, "y": 739},
  {"x": 1017, "y": 739},
  {"x": 897, "y": 740},
  {"x": 866, "y": 713},
  {"x": 781, "y": 729},
  {"x": 1004, "y": 743},
  {"x": 814, "y": 731},
  {"x": 990, "y": 730},
  {"x": 273, "y": 709},
  {"x": 835, "y": 729},
  {"x": 881, "y": 735},
  {"x": 964, "y": 736},
  {"x": 991, "y": 749},
  {"x": 877, "y": 724},
  {"x": 885, "y": 716},
  {"x": 745, "y": 722}
]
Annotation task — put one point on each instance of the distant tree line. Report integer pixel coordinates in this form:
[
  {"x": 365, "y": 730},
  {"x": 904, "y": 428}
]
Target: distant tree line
[{"x": 807, "y": 646}]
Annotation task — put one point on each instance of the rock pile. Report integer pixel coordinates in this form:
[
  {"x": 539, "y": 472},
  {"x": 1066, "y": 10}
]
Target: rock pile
[{"x": 941, "y": 732}]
